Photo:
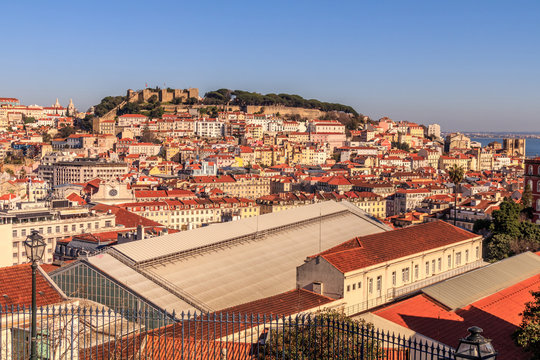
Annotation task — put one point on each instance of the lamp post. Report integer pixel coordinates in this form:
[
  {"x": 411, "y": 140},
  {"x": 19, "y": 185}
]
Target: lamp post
[
  {"x": 35, "y": 247},
  {"x": 475, "y": 346}
]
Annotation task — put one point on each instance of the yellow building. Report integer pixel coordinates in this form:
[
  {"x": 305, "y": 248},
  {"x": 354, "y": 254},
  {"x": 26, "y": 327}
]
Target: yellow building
[{"x": 372, "y": 270}]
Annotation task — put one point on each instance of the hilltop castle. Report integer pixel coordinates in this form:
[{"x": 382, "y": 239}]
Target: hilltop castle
[{"x": 163, "y": 95}]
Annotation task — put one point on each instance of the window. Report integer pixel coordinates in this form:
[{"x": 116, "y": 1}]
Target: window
[
  {"x": 379, "y": 284},
  {"x": 427, "y": 267},
  {"x": 23, "y": 232},
  {"x": 458, "y": 258},
  {"x": 466, "y": 256},
  {"x": 370, "y": 286},
  {"x": 14, "y": 233},
  {"x": 57, "y": 229},
  {"x": 40, "y": 230},
  {"x": 477, "y": 251},
  {"x": 405, "y": 274},
  {"x": 393, "y": 278},
  {"x": 354, "y": 286},
  {"x": 449, "y": 261},
  {"x": 348, "y": 288},
  {"x": 432, "y": 267},
  {"x": 359, "y": 285},
  {"x": 49, "y": 230},
  {"x": 74, "y": 227}
]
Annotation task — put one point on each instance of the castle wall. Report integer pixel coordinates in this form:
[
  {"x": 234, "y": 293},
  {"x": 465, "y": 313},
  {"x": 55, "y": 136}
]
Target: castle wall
[{"x": 284, "y": 110}]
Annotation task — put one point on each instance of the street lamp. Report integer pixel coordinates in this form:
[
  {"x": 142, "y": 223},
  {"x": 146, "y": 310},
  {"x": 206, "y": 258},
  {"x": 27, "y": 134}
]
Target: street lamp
[
  {"x": 475, "y": 346},
  {"x": 35, "y": 247}
]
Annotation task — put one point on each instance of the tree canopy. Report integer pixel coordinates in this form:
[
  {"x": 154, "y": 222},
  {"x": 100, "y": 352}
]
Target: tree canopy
[
  {"x": 244, "y": 98},
  {"x": 107, "y": 104},
  {"x": 329, "y": 334},
  {"x": 510, "y": 234},
  {"x": 528, "y": 333}
]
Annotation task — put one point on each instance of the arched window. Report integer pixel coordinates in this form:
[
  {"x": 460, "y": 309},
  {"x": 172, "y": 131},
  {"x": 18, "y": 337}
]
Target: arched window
[
  {"x": 537, "y": 186},
  {"x": 530, "y": 169},
  {"x": 538, "y": 205},
  {"x": 530, "y": 183}
]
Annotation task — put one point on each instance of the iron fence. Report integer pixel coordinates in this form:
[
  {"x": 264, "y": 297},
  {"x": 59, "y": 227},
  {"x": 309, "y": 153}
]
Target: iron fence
[{"x": 88, "y": 332}]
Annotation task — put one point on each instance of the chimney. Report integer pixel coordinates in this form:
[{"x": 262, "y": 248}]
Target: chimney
[
  {"x": 317, "y": 287},
  {"x": 140, "y": 232}
]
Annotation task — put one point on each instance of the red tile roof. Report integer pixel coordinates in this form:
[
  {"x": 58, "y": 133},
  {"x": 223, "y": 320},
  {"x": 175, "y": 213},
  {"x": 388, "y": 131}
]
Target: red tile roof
[
  {"x": 287, "y": 303},
  {"x": 373, "y": 249},
  {"x": 16, "y": 289},
  {"x": 497, "y": 314},
  {"x": 126, "y": 218}
]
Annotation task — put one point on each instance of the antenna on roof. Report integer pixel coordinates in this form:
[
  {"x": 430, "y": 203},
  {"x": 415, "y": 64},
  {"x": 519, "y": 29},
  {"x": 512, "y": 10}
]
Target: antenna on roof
[{"x": 320, "y": 229}]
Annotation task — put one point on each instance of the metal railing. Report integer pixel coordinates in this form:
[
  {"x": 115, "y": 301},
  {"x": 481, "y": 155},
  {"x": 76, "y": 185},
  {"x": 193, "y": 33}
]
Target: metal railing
[
  {"x": 408, "y": 289},
  {"x": 396, "y": 293},
  {"x": 92, "y": 333}
]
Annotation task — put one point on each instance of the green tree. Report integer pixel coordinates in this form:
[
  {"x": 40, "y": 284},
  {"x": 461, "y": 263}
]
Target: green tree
[
  {"x": 156, "y": 112},
  {"x": 456, "y": 174},
  {"x": 526, "y": 197},
  {"x": 29, "y": 120},
  {"x": 327, "y": 335},
  {"x": 401, "y": 146},
  {"x": 528, "y": 333},
  {"x": 130, "y": 108},
  {"x": 86, "y": 124},
  {"x": 107, "y": 104},
  {"x": 64, "y": 132},
  {"x": 481, "y": 225},
  {"x": 46, "y": 137},
  {"x": 506, "y": 219},
  {"x": 148, "y": 136},
  {"x": 499, "y": 247},
  {"x": 153, "y": 99}
]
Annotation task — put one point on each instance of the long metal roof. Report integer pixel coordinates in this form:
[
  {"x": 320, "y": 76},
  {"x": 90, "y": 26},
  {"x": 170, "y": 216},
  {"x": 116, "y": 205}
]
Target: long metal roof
[
  {"x": 163, "y": 246},
  {"x": 465, "y": 289},
  {"x": 224, "y": 273},
  {"x": 139, "y": 284}
]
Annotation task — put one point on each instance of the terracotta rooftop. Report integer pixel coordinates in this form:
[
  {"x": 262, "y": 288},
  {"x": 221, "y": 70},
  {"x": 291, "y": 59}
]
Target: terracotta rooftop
[
  {"x": 497, "y": 314},
  {"x": 16, "y": 289},
  {"x": 369, "y": 250},
  {"x": 287, "y": 303}
]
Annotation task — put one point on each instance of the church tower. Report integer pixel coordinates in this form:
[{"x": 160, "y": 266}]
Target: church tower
[{"x": 71, "y": 108}]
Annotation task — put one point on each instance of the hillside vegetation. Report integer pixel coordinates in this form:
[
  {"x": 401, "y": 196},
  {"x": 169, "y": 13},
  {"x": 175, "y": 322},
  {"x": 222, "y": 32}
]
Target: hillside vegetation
[{"x": 244, "y": 98}]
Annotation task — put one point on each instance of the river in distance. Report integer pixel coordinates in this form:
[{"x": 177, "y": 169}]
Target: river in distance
[{"x": 532, "y": 146}]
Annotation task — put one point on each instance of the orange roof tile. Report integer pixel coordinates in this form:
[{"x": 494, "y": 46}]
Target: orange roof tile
[{"x": 377, "y": 248}]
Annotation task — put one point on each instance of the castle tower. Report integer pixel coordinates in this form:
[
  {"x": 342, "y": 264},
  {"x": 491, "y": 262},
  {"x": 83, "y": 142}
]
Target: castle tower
[{"x": 56, "y": 104}]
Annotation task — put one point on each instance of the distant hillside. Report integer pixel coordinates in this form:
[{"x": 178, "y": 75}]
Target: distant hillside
[{"x": 246, "y": 98}]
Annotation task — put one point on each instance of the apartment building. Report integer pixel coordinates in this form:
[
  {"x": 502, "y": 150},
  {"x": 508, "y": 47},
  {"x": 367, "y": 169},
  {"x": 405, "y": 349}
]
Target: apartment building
[
  {"x": 193, "y": 213},
  {"x": 210, "y": 128},
  {"x": 245, "y": 186},
  {"x": 532, "y": 178},
  {"x": 54, "y": 221},
  {"x": 408, "y": 199},
  {"x": 83, "y": 170}
]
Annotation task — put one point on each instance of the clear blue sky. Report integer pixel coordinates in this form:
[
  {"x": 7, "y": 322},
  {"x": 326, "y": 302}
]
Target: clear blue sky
[{"x": 467, "y": 65}]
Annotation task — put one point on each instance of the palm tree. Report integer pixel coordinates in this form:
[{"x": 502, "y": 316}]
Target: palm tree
[{"x": 456, "y": 174}]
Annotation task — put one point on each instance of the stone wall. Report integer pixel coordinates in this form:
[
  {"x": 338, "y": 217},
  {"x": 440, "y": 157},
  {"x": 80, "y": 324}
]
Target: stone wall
[{"x": 284, "y": 110}]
